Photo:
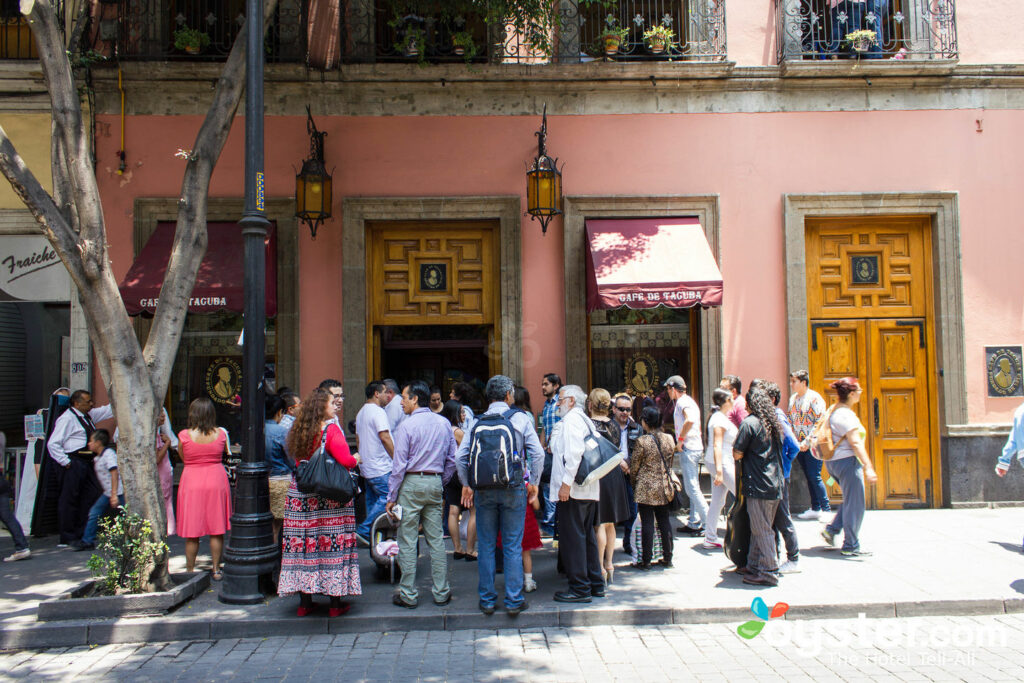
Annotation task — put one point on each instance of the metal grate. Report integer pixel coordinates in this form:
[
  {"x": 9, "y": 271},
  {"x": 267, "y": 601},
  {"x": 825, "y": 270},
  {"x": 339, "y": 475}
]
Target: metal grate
[{"x": 902, "y": 29}]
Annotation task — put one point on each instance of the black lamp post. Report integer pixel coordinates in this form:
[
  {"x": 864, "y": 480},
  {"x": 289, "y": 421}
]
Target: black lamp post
[
  {"x": 544, "y": 181},
  {"x": 251, "y": 554},
  {"x": 313, "y": 183}
]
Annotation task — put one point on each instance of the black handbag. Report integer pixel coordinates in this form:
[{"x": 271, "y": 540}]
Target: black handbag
[
  {"x": 600, "y": 456},
  {"x": 325, "y": 476}
]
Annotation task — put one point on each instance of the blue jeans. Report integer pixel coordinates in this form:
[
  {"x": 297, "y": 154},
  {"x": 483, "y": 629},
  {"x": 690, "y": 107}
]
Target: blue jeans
[
  {"x": 816, "y": 487},
  {"x": 501, "y": 510},
  {"x": 376, "y": 500},
  {"x": 689, "y": 461},
  {"x": 850, "y": 513},
  {"x": 99, "y": 508}
]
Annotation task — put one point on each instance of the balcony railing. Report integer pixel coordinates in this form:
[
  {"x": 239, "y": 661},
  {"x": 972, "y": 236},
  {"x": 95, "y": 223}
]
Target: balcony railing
[{"x": 890, "y": 29}]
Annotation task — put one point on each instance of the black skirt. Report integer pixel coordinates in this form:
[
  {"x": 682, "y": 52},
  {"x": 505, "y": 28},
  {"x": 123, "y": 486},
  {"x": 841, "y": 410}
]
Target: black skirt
[
  {"x": 613, "y": 507},
  {"x": 453, "y": 492}
]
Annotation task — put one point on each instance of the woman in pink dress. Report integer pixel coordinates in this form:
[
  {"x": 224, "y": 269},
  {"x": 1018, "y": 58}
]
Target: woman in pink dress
[
  {"x": 318, "y": 543},
  {"x": 204, "y": 495}
]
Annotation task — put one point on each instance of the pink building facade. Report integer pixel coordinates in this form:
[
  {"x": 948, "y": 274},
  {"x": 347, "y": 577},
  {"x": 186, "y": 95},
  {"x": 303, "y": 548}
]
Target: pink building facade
[{"x": 854, "y": 206}]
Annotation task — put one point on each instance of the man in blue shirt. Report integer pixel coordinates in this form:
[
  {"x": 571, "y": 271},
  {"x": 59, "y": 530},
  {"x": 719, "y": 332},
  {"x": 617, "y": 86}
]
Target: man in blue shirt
[
  {"x": 502, "y": 510},
  {"x": 549, "y": 417},
  {"x": 280, "y": 465},
  {"x": 1014, "y": 446}
]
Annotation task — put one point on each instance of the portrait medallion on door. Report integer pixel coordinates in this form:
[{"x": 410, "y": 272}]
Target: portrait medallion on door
[
  {"x": 433, "y": 277},
  {"x": 641, "y": 374},
  {"x": 224, "y": 381},
  {"x": 864, "y": 270}
]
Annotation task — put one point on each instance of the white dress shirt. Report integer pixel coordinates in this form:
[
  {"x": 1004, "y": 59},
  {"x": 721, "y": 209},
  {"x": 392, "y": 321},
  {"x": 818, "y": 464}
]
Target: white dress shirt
[
  {"x": 567, "y": 451},
  {"x": 69, "y": 435},
  {"x": 395, "y": 413}
]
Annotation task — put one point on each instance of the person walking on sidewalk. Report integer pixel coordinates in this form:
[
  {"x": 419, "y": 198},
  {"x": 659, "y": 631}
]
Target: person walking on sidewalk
[
  {"x": 1014, "y": 446},
  {"x": 376, "y": 449},
  {"x": 850, "y": 465},
  {"x": 112, "y": 497},
  {"x": 759, "y": 445},
  {"x": 501, "y": 509},
  {"x": 577, "y": 505},
  {"x": 783, "y": 523},
  {"x": 718, "y": 458},
  {"x": 21, "y": 549},
  {"x": 806, "y": 406},
  {"x": 686, "y": 419},
  {"x": 424, "y": 461}
]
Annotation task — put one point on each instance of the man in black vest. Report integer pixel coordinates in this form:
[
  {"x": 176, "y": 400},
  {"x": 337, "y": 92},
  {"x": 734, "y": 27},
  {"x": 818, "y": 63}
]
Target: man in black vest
[{"x": 66, "y": 445}]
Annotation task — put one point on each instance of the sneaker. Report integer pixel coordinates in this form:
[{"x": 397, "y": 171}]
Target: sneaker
[
  {"x": 809, "y": 515},
  {"x": 830, "y": 538},
  {"x": 19, "y": 555},
  {"x": 710, "y": 545},
  {"x": 690, "y": 530},
  {"x": 529, "y": 585},
  {"x": 362, "y": 540},
  {"x": 789, "y": 567},
  {"x": 856, "y": 553}
]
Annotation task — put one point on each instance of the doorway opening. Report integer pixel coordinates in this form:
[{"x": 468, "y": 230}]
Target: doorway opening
[{"x": 440, "y": 355}]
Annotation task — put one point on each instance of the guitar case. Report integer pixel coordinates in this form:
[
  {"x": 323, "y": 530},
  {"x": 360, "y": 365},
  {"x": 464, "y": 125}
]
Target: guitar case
[{"x": 737, "y": 529}]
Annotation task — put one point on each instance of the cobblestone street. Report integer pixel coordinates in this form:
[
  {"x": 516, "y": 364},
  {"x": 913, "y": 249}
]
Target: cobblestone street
[{"x": 908, "y": 649}]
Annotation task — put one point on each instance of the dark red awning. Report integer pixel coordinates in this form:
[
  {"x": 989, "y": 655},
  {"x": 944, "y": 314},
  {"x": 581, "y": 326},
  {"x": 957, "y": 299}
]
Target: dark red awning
[
  {"x": 219, "y": 282},
  {"x": 646, "y": 262}
]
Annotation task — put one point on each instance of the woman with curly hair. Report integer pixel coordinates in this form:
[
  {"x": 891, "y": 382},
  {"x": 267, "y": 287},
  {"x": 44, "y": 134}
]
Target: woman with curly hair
[
  {"x": 850, "y": 465},
  {"x": 318, "y": 545},
  {"x": 758, "y": 446}
]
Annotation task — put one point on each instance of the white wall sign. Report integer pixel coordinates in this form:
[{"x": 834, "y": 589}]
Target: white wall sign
[{"x": 31, "y": 271}]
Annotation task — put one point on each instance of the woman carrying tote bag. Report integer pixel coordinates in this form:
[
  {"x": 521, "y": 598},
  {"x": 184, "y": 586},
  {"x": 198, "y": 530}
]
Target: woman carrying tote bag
[
  {"x": 649, "y": 473},
  {"x": 318, "y": 540}
]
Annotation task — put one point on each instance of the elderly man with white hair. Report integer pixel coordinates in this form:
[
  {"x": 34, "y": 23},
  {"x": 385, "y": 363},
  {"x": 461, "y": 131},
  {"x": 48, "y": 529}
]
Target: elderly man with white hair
[{"x": 577, "y": 505}]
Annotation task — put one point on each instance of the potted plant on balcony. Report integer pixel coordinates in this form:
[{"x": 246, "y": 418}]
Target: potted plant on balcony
[
  {"x": 861, "y": 41},
  {"x": 611, "y": 36},
  {"x": 463, "y": 45},
  {"x": 658, "y": 38},
  {"x": 190, "y": 40}
]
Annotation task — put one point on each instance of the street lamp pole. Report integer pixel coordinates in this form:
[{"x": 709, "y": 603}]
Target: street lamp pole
[{"x": 251, "y": 555}]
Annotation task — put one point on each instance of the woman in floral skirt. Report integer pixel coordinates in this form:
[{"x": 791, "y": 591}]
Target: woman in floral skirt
[{"x": 318, "y": 542}]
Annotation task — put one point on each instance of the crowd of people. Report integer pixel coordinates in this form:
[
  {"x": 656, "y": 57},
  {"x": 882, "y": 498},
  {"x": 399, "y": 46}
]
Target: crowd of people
[{"x": 422, "y": 465}]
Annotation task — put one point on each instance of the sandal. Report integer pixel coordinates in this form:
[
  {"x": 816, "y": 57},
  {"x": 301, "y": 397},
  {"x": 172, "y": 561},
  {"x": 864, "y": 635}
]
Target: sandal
[{"x": 216, "y": 575}]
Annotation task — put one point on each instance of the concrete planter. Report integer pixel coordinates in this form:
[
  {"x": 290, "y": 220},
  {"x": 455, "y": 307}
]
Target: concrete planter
[{"x": 71, "y": 604}]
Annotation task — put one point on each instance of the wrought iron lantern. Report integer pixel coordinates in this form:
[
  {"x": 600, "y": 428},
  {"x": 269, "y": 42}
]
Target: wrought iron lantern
[
  {"x": 313, "y": 183},
  {"x": 544, "y": 181}
]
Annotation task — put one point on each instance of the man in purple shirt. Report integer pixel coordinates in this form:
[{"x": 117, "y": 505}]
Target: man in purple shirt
[{"x": 424, "y": 461}]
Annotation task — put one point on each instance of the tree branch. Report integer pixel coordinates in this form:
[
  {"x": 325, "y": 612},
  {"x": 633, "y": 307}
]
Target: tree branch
[
  {"x": 51, "y": 221},
  {"x": 190, "y": 236}
]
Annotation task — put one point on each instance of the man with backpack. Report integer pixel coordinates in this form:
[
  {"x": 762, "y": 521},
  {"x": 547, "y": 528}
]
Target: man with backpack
[{"x": 500, "y": 462}]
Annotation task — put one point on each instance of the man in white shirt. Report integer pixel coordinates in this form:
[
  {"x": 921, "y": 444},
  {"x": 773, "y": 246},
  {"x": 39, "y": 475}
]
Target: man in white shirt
[
  {"x": 577, "y": 505},
  {"x": 67, "y": 445},
  {"x": 393, "y": 403},
  {"x": 376, "y": 449},
  {"x": 686, "y": 419}
]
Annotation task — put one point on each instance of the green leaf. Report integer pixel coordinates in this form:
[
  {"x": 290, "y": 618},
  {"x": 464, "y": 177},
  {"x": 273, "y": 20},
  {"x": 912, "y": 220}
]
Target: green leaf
[{"x": 749, "y": 629}]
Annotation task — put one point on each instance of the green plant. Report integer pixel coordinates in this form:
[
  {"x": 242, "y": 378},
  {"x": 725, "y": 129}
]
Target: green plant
[
  {"x": 612, "y": 35},
  {"x": 463, "y": 40},
  {"x": 126, "y": 554},
  {"x": 861, "y": 40},
  {"x": 190, "y": 39},
  {"x": 659, "y": 35}
]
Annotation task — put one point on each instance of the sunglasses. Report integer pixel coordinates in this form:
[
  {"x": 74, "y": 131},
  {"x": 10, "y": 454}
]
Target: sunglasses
[{"x": 622, "y": 410}]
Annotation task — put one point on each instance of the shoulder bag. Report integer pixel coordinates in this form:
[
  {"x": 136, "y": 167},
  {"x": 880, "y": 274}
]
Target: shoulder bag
[
  {"x": 674, "y": 487},
  {"x": 325, "y": 476},
  {"x": 600, "y": 456}
]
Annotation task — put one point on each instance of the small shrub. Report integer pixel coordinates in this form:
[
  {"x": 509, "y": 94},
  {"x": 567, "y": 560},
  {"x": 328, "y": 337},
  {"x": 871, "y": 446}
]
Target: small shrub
[{"x": 125, "y": 555}]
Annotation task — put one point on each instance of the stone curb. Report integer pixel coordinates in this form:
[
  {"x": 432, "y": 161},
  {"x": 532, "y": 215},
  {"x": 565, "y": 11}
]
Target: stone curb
[
  {"x": 64, "y": 608},
  {"x": 170, "y": 628}
]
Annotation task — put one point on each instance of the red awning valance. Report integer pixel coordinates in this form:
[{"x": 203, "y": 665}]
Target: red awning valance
[
  {"x": 219, "y": 282},
  {"x": 647, "y": 262}
]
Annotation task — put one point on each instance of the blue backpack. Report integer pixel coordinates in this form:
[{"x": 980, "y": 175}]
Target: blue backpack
[{"x": 496, "y": 451}]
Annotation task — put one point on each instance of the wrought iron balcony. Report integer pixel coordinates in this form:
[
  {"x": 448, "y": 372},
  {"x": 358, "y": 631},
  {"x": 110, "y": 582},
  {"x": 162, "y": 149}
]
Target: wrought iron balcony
[{"x": 866, "y": 29}]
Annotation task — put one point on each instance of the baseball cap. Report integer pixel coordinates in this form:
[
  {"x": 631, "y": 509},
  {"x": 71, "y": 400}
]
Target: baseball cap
[{"x": 675, "y": 381}]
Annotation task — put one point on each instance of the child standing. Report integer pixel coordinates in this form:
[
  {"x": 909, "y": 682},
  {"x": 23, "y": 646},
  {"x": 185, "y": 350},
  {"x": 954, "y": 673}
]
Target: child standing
[{"x": 106, "y": 471}]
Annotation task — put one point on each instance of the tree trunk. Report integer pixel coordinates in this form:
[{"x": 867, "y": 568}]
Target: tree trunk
[{"x": 72, "y": 220}]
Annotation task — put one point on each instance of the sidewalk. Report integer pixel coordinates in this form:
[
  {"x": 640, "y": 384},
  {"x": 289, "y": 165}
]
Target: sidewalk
[{"x": 925, "y": 562}]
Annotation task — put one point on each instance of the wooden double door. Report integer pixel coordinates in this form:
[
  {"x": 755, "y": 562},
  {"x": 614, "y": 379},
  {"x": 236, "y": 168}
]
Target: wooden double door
[{"x": 869, "y": 304}]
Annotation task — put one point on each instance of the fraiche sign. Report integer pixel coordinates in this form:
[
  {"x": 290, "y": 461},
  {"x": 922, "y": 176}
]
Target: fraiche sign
[{"x": 31, "y": 271}]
